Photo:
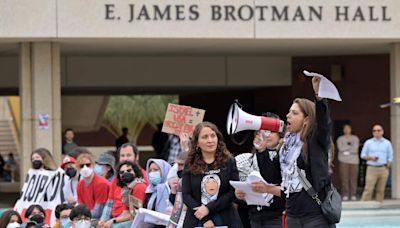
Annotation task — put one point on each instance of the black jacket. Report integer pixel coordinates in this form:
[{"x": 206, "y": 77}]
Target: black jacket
[
  {"x": 223, "y": 205},
  {"x": 271, "y": 172},
  {"x": 317, "y": 165}
]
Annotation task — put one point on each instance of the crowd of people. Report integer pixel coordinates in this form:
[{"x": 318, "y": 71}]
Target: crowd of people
[{"x": 195, "y": 173}]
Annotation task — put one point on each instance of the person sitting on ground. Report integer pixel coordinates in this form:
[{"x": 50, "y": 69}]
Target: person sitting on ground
[
  {"x": 62, "y": 213},
  {"x": 10, "y": 219},
  {"x": 71, "y": 180},
  {"x": 130, "y": 179},
  {"x": 92, "y": 189},
  {"x": 157, "y": 193},
  {"x": 42, "y": 159},
  {"x": 105, "y": 166},
  {"x": 35, "y": 217},
  {"x": 80, "y": 217}
]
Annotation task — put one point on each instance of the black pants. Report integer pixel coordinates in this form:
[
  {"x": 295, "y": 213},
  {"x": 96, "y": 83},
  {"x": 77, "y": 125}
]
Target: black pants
[
  {"x": 268, "y": 223},
  {"x": 308, "y": 222}
]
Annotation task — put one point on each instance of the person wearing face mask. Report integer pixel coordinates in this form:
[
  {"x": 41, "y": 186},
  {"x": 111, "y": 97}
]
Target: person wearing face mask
[
  {"x": 114, "y": 205},
  {"x": 130, "y": 179},
  {"x": 92, "y": 189},
  {"x": 80, "y": 217},
  {"x": 306, "y": 149},
  {"x": 71, "y": 180},
  {"x": 205, "y": 181},
  {"x": 41, "y": 158},
  {"x": 105, "y": 166},
  {"x": 157, "y": 193},
  {"x": 35, "y": 217},
  {"x": 265, "y": 159},
  {"x": 62, "y": 213},
  {"x": 10, "y": 219}
]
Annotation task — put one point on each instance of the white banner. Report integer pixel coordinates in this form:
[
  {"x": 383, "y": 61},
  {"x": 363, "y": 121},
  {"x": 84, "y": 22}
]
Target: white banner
[{"x": 42, "y": 187}]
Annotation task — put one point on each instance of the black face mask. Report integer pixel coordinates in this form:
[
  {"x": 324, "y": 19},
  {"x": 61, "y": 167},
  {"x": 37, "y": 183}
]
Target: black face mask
[
  {"x": 127, "y": 178},
  {"x": 37, "y": 218},
  {"x": 179, "y": 173},
  {"x": 71, "y": 172},
  {"x": 37, "y": 164}
]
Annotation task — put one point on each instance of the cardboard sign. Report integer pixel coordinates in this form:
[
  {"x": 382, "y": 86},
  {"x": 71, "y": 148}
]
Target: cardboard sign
[
  {"x": 180, "y": 118},
  {"x": 134, "y": 203},
  {"x": 43, "y": 187}
]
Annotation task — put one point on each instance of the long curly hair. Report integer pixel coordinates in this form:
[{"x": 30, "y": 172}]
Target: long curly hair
[{"x": 195, "y": 162}]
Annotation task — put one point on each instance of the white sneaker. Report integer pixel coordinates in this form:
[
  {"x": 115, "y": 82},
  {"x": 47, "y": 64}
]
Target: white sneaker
[
  {"x": 345, "y": 198},
  {"x": 353, "y": 198}
]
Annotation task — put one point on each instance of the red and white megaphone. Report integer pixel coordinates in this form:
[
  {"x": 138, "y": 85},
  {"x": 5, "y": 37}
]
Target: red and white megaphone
[{"x": 238, "y": 120}]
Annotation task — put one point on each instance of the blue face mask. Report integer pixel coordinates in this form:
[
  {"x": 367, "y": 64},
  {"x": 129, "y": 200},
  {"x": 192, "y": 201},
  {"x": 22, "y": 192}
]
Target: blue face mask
[
  {"x": 98, "y": 169},
  {"x": 155, "y": 177},
  {"x": 65, "y": 223}
]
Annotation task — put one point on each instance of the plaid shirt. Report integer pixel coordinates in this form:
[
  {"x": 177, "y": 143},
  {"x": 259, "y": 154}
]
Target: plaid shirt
[{"x": 174, "y": 148}]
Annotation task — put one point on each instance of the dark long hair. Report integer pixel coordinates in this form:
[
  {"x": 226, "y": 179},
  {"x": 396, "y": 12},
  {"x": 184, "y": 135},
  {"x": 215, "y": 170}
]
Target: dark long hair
[
  {"x": 195, "y": 162},
  {"x": 31, "y": 208},
  {"x": 136, "y": 170},
  {"x": 5, "y": 218}
]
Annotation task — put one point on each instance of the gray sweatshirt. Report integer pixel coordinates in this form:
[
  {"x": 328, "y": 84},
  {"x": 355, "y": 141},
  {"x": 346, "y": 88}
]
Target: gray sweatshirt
[{"x": 348, "y": 149}]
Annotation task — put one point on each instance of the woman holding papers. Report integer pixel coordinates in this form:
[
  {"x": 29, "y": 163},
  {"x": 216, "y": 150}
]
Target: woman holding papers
[
  {"x": 306, "y": 146},
  {"x": 205, "y": 180},
  {"x": 266, "y": 160}
]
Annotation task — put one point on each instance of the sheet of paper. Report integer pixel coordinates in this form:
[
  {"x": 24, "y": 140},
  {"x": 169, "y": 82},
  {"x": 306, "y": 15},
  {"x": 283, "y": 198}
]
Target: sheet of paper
[
  {"x": 144, "y": 216},
  {"x": 252, "y": 198},
  {"x": 326, "y": 88}
]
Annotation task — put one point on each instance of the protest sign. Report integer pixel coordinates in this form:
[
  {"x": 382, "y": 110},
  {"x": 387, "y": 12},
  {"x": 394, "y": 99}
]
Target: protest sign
[
  {"x": 43, "y": 187},
  {"x": 180, "y": 118},
  {"x": 179, "y": 210}
]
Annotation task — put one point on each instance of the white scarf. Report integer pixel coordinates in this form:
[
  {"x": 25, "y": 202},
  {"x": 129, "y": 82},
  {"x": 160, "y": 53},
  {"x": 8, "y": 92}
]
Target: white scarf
[{"x": 289, "y": 153}]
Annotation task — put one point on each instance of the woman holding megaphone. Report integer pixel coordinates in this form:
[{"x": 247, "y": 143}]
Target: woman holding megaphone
[{"x": 306, "y": 146}]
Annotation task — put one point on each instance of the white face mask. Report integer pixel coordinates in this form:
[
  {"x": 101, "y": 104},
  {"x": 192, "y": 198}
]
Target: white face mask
[
  {"x": 257, "y": 146},
  {"x": 13, "y": 225},
  {"x": 82, "y": 224},
  {"x": 86, "y": 171}
]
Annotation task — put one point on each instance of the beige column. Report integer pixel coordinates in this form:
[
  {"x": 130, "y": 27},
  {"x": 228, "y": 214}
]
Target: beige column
[
  {"x": 395, "y": 118},
  {"x": 40, "y": 94}
]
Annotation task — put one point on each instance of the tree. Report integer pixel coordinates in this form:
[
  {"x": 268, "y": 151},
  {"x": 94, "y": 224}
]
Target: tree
[{"x": 134, "y": 112}]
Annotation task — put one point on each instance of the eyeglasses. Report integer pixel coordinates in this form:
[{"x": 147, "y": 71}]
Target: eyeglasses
[
  {"x": 87, "y": 165},
  {"x": 80, "y": 219},
  {"x": 263, "y": 132},
  {"x": 126, "y": 171},
  {"x": 376, "y": 130}
]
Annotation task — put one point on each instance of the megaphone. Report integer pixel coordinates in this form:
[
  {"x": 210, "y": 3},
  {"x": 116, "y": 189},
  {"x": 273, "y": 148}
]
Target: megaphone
[{"x": 238, "y": 120}]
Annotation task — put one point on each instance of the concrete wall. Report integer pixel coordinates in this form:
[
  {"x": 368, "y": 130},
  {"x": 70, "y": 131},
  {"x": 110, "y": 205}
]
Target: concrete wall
[{"x": 258, "y": 19}]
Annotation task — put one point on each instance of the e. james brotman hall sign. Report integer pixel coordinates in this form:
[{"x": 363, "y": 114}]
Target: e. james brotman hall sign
[{"x": 224, "y": 12}]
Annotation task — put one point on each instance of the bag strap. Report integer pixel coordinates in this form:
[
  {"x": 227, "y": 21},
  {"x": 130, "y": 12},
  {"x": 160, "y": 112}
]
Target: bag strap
[{"x": 308, "y": 187}]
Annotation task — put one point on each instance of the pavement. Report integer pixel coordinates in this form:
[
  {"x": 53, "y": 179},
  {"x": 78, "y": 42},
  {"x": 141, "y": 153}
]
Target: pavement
[{"x": 386, "y": 204}]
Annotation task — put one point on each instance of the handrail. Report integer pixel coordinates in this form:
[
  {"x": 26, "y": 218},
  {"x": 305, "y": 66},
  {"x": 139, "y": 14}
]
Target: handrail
[{"x": 14, "y": 128}]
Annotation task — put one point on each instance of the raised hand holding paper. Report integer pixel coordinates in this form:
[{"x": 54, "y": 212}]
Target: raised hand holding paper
[{"x": 326, "y": 88}]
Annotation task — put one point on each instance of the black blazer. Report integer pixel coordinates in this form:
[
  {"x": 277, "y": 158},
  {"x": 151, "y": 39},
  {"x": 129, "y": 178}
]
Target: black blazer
[{"x": 223, "y": 205}]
